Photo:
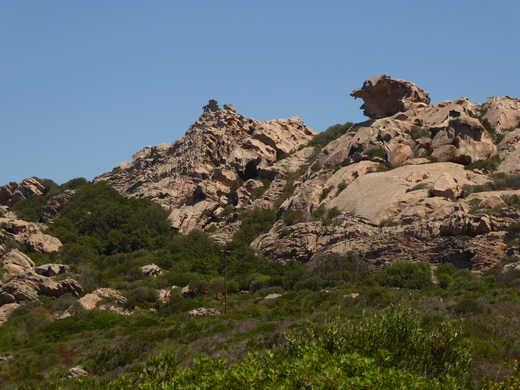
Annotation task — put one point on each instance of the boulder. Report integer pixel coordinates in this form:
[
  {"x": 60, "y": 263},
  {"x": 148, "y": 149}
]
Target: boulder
[
  {"x": 447, "y": 186},
  {"x": 15, "y": 262},
  {"x": 14, "y": 192},
  {"x": 502, "y": 113},
  {"x": 463, "y": 140},
  {"x": 202, "y": 312},
  {"x": 6, "y": 310},
  {"x": 26, "y": 287},
  {"x": 76, "y": 371},
  {"x": 90, "y": 301},
  {"x": 385, "y": 96},
  {"x": 51, "y": 269},
  {"x": 30, "y": 235},
  {"x": 151, "y": 270}
]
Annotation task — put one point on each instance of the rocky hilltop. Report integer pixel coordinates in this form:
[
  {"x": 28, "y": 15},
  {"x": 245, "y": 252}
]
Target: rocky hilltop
[
  {"x": 216, "y": 165},
  {"x": 281, "y": 226},
  {"x": 395, "y": 187},
  {"x": 417, "y": 181}
]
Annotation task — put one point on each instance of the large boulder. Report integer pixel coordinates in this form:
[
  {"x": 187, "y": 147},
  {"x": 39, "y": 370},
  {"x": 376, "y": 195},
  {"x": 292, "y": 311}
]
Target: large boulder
[
  {"x": 385, "y": 96},
  {"x": 463, "y": 140},
  {"x": 502, "y": 113},
  {"x": 15, "y": 262}
]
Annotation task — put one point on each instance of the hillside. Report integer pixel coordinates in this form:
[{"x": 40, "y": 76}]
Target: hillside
[{"x": 248, "y": 236}]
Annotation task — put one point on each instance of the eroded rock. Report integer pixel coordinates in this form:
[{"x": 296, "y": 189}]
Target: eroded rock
[
  {"x": 385, "y": 96},
  {"x": 15, "y": 192}
]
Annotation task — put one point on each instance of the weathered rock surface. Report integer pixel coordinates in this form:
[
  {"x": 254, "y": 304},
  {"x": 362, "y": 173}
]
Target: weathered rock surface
[
  {"x": 151, "y": 270},
  {"x": 26, "y": 287},
  {"x": 385, "y": 96},
  {"x": 29, "y": 234},
  {"x": 194, "y": 176},
  {"x": 509, "y": 152},
  {"x": 77, "y": 371},
  {"x": 51, "y": 269},
  {"x": 202, "y": 312},
  {"x": 51, "y": 210},
  {"x": 90, "y": 301},
  {"x": 502, "y": 113},
  {"x": 14, "y": 192},
  {"x": 15, "y": 262},
  {"x": 6, "y": 311}
]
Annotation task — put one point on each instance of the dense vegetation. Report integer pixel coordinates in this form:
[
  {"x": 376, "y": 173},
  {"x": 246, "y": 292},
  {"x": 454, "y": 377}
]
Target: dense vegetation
[{"x": 340, "y": 323}]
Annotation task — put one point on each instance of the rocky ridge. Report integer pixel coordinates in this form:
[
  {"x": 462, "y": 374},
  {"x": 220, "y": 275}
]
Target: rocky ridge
[
  {"x": 396, "y": 187},
  {"x": 199, "y": 175}
]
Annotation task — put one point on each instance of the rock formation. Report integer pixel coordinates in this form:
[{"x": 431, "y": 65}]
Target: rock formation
[
  {"x": 198, "y": 176},
  {"x": 14, "y": 192},
  {"x": 28, "y": 234},
  {"x": 385, "y": 96}
]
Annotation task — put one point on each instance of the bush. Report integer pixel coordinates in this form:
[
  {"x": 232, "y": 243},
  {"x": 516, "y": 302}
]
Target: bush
[
  {"x": 490, "y": 164},
  {"x": 405, "y": 274},
  {"x": 417, "y": 132},
  {"x": 333, "y": 132},
  {"x": 291, "y": 217},
  {"x": 397, "y": 338},
  {"x": 468, "y": 306}
]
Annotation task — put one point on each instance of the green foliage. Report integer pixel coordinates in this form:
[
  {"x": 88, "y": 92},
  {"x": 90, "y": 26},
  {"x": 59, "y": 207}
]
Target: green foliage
[
  {"x": 405, "y": 274},
  {"x": 468, "y": 305},
  {"x": 257, "y": 222},
  {"x": 333, "y": 132},
  {"x": 375, "y": 152},
  {"x": 491, "y": 164},
  {"x": 122, "y": 224},
  {"x": 417, "y": 132},
  {"x": 292, "y": 216},
  {"x": 500, "y": 181}
]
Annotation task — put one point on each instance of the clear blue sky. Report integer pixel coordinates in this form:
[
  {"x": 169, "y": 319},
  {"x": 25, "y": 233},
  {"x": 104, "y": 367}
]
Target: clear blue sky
[{"x": 85, "y": 84}]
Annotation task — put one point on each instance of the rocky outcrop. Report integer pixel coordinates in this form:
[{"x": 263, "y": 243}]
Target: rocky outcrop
[
  {"x": 28, "y": 234},
  {"x": 51, "y": 210},
  {"x": 51, "y": 269},
  {"x": 151, "y": 270},
  {"x": 90, "y": 301},
  {"x": 28, "y": 285},
  {"x": 463, "y": 140},
  {"x": 15, "y": 263},
  {"x": 197, "y": 176},
  {"x": 385, "y": 96},
  {"x": 14, "y": 192},
  {"x": 502, "y": 113},
  {"x": 203, "y": 312},
  {"x": 74, "y": 372}
]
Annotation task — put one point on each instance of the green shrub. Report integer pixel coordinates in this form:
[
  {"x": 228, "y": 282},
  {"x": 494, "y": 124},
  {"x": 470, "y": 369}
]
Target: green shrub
[
  {"x": 417, "y": 132},
  {"x": 375, "y": 152},
  {"x": 405, "y": 274},
  {"x": 491, "y": 164},
  {"x": 397, "y": 338},
  {"x": 468, "y": 306},
  {"x": 292, "y": 216},
  {"x": 257, "y": 222},
  {"x": 333, "y": 132}
]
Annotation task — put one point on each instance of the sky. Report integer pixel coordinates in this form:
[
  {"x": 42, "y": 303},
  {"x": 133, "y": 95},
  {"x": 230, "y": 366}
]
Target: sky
[{"x": 86, "y": 84}]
